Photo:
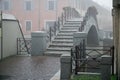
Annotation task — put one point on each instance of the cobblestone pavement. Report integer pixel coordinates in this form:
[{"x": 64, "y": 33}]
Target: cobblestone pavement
[{"x": 29, "y": 68}]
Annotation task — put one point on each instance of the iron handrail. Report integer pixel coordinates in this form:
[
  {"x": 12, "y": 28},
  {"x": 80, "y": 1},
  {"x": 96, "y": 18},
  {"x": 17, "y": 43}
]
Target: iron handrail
[
  {"x": 21, "y": 45},
  {"x": 23, "y": 36}
]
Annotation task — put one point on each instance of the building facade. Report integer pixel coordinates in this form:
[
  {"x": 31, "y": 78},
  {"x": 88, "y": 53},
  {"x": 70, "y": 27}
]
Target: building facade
[
  {"x": 34, "y": 15},
  {"x": 116, "y": 34}
]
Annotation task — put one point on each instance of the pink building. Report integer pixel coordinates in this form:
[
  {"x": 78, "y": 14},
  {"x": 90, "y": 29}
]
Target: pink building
[{"x": 34, "y": 15}]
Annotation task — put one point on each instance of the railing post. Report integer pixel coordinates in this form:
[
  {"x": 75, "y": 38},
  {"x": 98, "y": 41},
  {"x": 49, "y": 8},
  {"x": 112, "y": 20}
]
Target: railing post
[
  {"x": 65, "y": 16},
  {"x": 66, "y": 67},
  {"x": 106, "y": 62},
  {"x": 20, "y": 46},
  {"x": 76, "y": 62},
  {"x": 55, "y": 28},
  {"x": 62, "y": 19},
  {"x": 58, "y": 23},
  {"x": 17, "y": 45},
  {"x": 112, "y": 54},
  {"x": 39, "y": 43},
  {"x": 70, "y": 13},
  {"x": 78, "y": 37},
  {"x": 50, "y": 34},
  {"x": 84, "y": 49}
]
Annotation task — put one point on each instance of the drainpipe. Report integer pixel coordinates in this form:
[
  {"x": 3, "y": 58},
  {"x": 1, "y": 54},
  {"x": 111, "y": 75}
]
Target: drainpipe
[
  {"x": 1, "y": 37},
  {"x": 116, "y": 31}
]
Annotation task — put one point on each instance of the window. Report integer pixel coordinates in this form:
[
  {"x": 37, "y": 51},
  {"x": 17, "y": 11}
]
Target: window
[
  {"x": 28, "y": 5},
  {"x": 49, "y": 24},
  {"x": 51, "y": 5},
  {"x": 28, "y": 25},
  {"x": 0, "y": 5},
  {"x": 6, "y": 5}
]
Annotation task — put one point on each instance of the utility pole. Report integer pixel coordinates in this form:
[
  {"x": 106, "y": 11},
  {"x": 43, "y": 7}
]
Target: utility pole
[{"x": 116, "y": 34}]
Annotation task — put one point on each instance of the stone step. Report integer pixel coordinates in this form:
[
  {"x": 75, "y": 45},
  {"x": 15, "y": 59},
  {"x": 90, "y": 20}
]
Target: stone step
[
  {"x": 68, "y": 31},
  {"x": 56, "y": 53},
  {"x": 59, "y": 49},
  {"x": 61, "y": 45},
  {"x": 62, "y": 41},
  {"x": 74, "y": 30},
  {"x": 70, "y": 28},
  {"x": 64, "y": 37},
  {"x": 74, "y": 21},
  {"x": 76, "y": 24},
  {"x": 71, "y": 25},
  {"x": 65, "y": 34}
]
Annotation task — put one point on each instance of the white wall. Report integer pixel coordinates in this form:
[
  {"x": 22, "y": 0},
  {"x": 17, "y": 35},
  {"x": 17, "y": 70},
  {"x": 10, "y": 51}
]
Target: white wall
[{"x": 10, "y": 34}]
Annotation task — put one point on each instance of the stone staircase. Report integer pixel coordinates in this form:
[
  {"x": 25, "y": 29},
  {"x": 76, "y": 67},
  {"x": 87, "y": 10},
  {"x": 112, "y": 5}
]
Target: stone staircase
[{"x": 63, "y": 42}]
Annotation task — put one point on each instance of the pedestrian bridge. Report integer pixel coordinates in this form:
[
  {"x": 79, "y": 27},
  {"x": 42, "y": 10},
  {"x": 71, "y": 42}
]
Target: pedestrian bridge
[{"x": 90, "y": 27}]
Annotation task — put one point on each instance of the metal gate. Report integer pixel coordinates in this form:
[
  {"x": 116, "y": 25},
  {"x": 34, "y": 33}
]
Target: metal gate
[
  {"x": 21, "y": 45},
  {"x": 87, "y": 59}
]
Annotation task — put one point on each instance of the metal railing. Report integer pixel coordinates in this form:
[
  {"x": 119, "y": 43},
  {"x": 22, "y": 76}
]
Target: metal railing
[
  {"x": 87, "y": 59},
  {"x": 68, "y": 13},
  {"x": 23, "y": 37},
  {"x": 53, "y": 30},
  {"x": 21, "y": 46}
]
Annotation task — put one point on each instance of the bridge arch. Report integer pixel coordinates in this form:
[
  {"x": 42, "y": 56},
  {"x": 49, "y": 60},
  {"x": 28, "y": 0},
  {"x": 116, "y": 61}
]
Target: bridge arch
[
  {"x": 92, "y": 36},
  {"x": 91, "y": 27}
]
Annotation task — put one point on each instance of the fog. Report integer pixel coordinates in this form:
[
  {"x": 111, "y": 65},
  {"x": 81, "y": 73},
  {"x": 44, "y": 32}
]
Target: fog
[
  {"x": 51, "y": 38},
  {"x": 105, "y": 3},
  {"x": 40, "y": 12}
]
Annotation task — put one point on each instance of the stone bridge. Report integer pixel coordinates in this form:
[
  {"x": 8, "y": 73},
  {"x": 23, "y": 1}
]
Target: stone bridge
[
  {"x": 72, "y": 31},
  {"x": 89, "y": 28}
]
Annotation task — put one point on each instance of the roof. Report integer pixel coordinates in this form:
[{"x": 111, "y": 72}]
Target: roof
[{"x": 8, "y": 16}]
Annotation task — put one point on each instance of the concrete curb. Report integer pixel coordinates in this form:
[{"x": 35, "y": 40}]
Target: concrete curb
[{"x": 56, "y": 76}]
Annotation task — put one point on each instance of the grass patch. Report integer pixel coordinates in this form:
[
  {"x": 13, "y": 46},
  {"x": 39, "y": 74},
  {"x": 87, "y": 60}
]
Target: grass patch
[
  {"x": 113, "y": 77},
  {"x": 86, "y": 77},
  {"x": 90, "y": 77}
]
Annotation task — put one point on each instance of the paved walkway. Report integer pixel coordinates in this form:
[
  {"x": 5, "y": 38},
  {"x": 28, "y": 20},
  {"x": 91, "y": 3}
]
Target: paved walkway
[{"x": 29, "y": 68}]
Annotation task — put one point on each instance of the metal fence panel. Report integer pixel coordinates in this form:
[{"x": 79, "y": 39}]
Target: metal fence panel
[
  {"x": 21, "y": 48},
  {"x": 87, "y": 59}
]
